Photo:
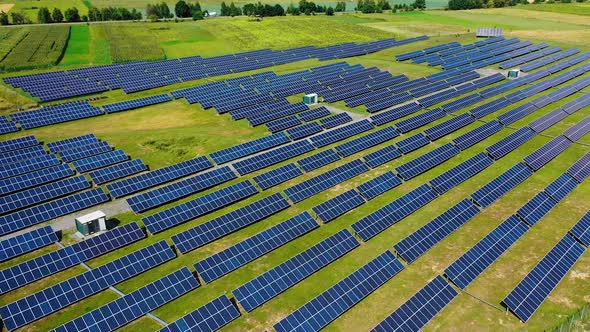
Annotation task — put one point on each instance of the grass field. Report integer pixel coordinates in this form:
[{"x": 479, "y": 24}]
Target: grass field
[{"x": 171, "y": 132}]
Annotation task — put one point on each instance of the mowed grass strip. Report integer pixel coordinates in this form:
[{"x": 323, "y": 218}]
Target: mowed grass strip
[
  {"x": 132, "y": 42},
  {"x": 78, "y": 50}
]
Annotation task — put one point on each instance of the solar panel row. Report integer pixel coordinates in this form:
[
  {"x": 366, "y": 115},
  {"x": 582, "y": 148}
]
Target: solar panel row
[{"x": 26, "y": 242}]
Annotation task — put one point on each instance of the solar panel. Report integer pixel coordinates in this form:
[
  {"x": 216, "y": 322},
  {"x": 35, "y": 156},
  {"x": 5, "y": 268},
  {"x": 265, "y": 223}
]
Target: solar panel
[
  {"x": 29, "y": 165},
  {"x": 517, "y": 113},
  {"x": 530, "y": 293},
  {"x": 314, "y": 114},
  {"x": 336, "y": 300},
  {"x": 561, "y": 187},
  {"x": 33, "y": 179},
  {"x": 396, "y": 113},
  {"x": 53, "y": 209},
  {"x": 210, "y": 317},
  {"x": 158, "y": 176},
  {"x": 223, "y": 225},
  {"x": 319, "y": 183},
  {"x": 474, "y": 261},
  {"x": 427, "y": 236},
  {"x": 420, "y": 120},
  {"x": 335, "y": 120},
  {"x": 251, "y": 147},
  {"x": 427, "y": 161},
  {"x": 73, "y": 142},
  {"x": 505, "y": 182},
  {"x": 580, "y": 170},
  {"x": 339, "y": 205},
  {"x": 272, "y": 157},
  {"x": 22, "y": 154},
  {"x": 108, "y": 241},
  {"x": 133, "y": 305},
  {"x": 318, "y": 160},
  {"x": 18, "y": 143},
  {"x": 393, "y": 212},
  {"x": 199, "y": 206},
  {"x": 304, "y": 130},
  {"x": 282, "y": 277},
  {"x": 379, "y": 185},
  {"x": 26, "y": 242},
  {"x": 578, "y": 130},
  {"x": 510, "y": 142},
  {"x": 465, "y": 170},
  {"x": 341, "y": 133},
  {"x": 364, "y": 142},
  {"x": 183, "y": 188},
  {"x": 535, "y": 209},
  {"x": 67, "y": 292},
  {"x": 548, "y": 120},
  {"x": 84, "y": 151},
  {"x": 382, "y": 156},
  {"x": 415, "y": 313},
  {"x": 100, "y": 161},
  {"x": 412, "y": 143},
  {"x": 581, "y": 229},
  {"x": 442, "y": 129},
  {"x": 282, "y": 124},
  {"x": 230, "y": 259},
  {"x": 490, "y": 107},
  {"x": 278, "y": 175},
  {"x": 547, "y": 152},
  {"x": 117, "y": 171}
]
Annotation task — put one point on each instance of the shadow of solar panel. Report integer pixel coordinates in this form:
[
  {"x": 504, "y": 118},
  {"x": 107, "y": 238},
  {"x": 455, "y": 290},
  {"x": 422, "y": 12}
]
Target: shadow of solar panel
[
  {"x": 395, "y": 113},
  {"x": 505, "y": 182},
  {"x": 278, "y": 175},
  {"x": 67, "y": 292},
  {"x": 420, "y": 120},
  {"x": 26, "y": 242},
  {"x": 22, "y": 154},
  {"x": 427, "y": 236},
  {"x": 548, "y": 120},
  {"x": 282, "y": 277},
  {"x": 53, "y": 209},
  {"x": 29, "y": 165},
  {"x": 465, "y": 170},
  {"x": 530, "y": 293},
  {"x": 412, "y": 143},
  {"x": 42, "y": 193},
  {"x": 36, "y": 178},
  {"x": 318, "y": 160},
  {"x": 339, "y": 205},
  {"x": 547, "y": 152},
  {"x": 84, "y": 151},
  {"x": 442, "y": 129},
  {"x": 393, "y": 212},
  {"x": 319, "y": 183},
  {"x": 335, "y": 120},
  {"x": 510, "y": 142},
  {"x": 338, "y": 299},
  {"x": 474, "y": 261},
  {"x": 415, "y": 313},
  {"x": 118, "y": 171},
  {"x": 304, "y": 130},
  {"x": 561, "y": 187},
  {"x": 535, "y": 209},
  {"x": 199, "y": 206},
  {"x": 18, "y": 143},
  {"x": 359, "y": 144},
  {"x": 382, "y": 156},
  {"x": 134, "y": 305},
  {"x": 379, "y": 185},
  {"x": 232, "y": 258},
  {"x": 230, "y": 222},
  {"x": 272, "y": 157},
  {"x": 580, "y": 170},
  {"x": 158, "y": 176},
  {"x": 100, "y": 161},
  {"x": 250, "y": 147},
  {"x": 427, "y": 161},
  {"x": 210, "y": 317}
]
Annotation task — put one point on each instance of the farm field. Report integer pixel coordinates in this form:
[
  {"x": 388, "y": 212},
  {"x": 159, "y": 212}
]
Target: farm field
[{"x": 176, "y": 131}]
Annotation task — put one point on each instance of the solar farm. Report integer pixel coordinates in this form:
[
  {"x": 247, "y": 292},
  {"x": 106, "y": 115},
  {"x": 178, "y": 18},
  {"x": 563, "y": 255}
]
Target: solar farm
[{"x": 443, "y": 187}]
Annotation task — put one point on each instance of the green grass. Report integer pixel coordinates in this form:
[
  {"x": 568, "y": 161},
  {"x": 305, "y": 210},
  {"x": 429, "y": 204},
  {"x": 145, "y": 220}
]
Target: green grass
[
  {"x": 78, "y": 50},
  {"x": 128, "y": 42},
  {"x": 31, "y": 7},
  {"x": 574, "y": 8},
  {"x": 41, "y": 47}
]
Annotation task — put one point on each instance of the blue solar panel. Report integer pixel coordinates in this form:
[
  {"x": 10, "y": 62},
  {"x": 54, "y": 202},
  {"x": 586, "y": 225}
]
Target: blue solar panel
[
  {"x": 341, "y": 133},
  {"x": 339, "y": 205},
  {"x": 427, "y": 161},
  {"x": 117, "y": 171},
  {"x": 477, "y": 135},
  {"x": 393, "y": 212},
  {"x": 67, "y": 292},
  {"x": 561, "y": 187},
  {"x": 449, "y": 126},
  {"x": 510, "y": 142},
  {"x": 158, "y": 176},
  {"x": 22, "y": 154},
  {"x": 321, "y": 182},
  {"x": 379, "y": 185},
  {"x": 489, "y": 107},
  {"x": 18, "y": 143},
  {"x": 420, "y": 120},
  {"x": 465, "y": 170},
  {"x": 335, "y": 301},
  {"x": 530, "y": 293},
  {"x": 367, "y": 141},
  {"x": 272, "y": 157},
  {"x": 210, "y": 317},
  {"x": 382, "y": 156},
  {"x": 73, "y": 142},
  {"x": 304, "y": 130},
  {"x": 230, "y": 259},
  {"x": 535, "y": 209},
  {"x": 314, "y": 114},
  {"x": 318, "y": 160},
  {"x": 100, "y": 161},
  {"x": 282, "y": 277},
  {"x": 578, "y": 130},
  {"x": 335, "y": 120},
  {"x": 505, "y": 182},
  {"x": 251, "y": 147},
  {"x": 580, "y": 170},
  {"x": 548, "y": 120},
  {"x": 412, "y": 143},
  {"x": 517, "y": 113},
  {"x": 547, "y": 152},
  {"x": 278, "y": 175},
  {"x": 223, "y": 225},
  {"x": 33, "y": 179},
  {"x": 395, "y": 113},
  {"x": 415, "y": 313},
  {"x": 84, "y": 151},
  {"x": 26, "y": 242},
  {"x": 133, "y": 305},
  {"x": 427, "y": 236},
  {"x": 473, "y": 262},
  {"x": 282, "y": 124},
  {"x": 199, "y": 206},
  {"x": 29, "y": 165},
  {"x": 581, "y": 229}
]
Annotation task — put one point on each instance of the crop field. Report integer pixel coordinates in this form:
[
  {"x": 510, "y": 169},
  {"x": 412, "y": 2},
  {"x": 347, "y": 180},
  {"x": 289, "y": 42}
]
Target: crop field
[{"x": 176, "y": 131}]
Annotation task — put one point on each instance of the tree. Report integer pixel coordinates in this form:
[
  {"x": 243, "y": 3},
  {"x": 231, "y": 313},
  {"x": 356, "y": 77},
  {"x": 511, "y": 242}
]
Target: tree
[
  {"x": 292, "y": 10},
  {"x": 44, "y": 16},
  {"x": 465, "y": 4},
  {"x": 366, "y": 6},
  {"x": 198, "y": 15},
  {"x": 165, "y": 10},
  {"x": 57, "y": 16},
  {"x": 340, "y": 7},
  {"x": 419, "y": 4},
  {"x": 279, "y": 10},
  {"x": 234, "y": 10},
  {"x": 72, "y": 15},
  {"x": 330, "y": 11},
  {"x": 182, "y": 9},
  {"x": 195, "y": 8},
  {"x": 3, "y": 18},
  {"x": 249, "y": 9},
  {"x": 224, "y": 9},
  {"x": 18, "y": 18}
]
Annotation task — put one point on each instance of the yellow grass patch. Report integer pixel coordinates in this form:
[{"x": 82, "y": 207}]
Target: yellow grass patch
[{"x": 5, "y": 7}]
